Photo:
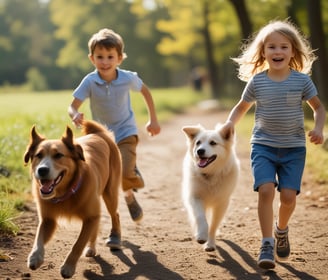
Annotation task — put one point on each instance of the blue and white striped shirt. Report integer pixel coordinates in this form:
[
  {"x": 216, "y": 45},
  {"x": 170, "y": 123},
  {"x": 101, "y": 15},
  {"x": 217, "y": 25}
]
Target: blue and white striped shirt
[{"x": 279, "y": 116}]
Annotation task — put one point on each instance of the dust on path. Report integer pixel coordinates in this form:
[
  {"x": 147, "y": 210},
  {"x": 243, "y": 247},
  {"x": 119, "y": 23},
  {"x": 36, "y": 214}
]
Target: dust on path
[{"x": 162, "y": 246}]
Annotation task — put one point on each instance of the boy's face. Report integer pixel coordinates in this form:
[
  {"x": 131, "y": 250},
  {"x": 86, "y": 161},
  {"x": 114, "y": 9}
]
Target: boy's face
[{"x": 106, "y": 61}]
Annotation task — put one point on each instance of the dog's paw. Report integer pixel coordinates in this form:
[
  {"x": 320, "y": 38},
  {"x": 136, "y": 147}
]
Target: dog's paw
[
  {"x": 35, "y": 260},
  {"x": 210, "y": 246},
  {"x": 201, "y": 236},
  {"x": 67, "y": 271},
  {"x": 201, "y": 241},
  {"x": 90, "y": 252}
]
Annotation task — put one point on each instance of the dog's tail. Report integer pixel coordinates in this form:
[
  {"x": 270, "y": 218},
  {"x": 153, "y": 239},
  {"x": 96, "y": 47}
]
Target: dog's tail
[
  {"x": 92, "y": 127},
  {"x": 115, "y": 161}
]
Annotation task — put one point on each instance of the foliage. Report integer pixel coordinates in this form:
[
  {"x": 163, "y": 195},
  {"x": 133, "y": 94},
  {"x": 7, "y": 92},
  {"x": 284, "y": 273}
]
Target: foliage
[{"x": 48, "y": 39}]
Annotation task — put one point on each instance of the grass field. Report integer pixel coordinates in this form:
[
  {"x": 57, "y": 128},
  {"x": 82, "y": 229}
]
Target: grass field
[{"x": 48, "y": 110}]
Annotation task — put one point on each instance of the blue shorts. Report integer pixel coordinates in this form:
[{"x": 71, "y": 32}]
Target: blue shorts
[{"x": 282, "y": 166}]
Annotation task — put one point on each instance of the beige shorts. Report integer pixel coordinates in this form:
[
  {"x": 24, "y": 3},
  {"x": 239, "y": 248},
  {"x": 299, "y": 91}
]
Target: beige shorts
[{"x": 132, "y": 178}]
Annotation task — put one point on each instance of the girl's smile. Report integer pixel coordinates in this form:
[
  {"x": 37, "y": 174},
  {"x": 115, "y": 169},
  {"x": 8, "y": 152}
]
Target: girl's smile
[{"x": 278, "y": 52}]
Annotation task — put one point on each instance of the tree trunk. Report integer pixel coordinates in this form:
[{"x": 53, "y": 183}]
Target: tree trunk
[
  {"x": 243, "y": 16},
  {"x": 212, "y": 66},
  {"x": 318, "y": 43}
]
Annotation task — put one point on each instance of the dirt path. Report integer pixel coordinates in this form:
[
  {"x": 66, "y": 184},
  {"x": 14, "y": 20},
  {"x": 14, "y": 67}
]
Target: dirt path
[{"x": 162, "y": 247}]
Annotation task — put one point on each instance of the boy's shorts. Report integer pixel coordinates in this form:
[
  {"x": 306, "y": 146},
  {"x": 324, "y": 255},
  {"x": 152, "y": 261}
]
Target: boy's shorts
[
  {"x": 132, "y": 178},
  {"x": 282, "y": 166}
]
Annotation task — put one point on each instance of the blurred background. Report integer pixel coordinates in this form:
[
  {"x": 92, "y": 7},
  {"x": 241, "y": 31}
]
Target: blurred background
[{"x": 170, "y": 43}]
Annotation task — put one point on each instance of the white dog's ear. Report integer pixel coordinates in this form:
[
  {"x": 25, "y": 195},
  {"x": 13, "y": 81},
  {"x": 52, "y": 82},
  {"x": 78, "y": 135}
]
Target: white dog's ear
[
  {"x": 227, "y": 132},
  {"x": 192, "y": 131}
]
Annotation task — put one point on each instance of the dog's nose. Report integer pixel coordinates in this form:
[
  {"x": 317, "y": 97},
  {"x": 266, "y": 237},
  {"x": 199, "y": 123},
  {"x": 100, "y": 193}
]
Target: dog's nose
[
  {"x": 201, "y": 152},
  {"x": 43, "y": 171}
]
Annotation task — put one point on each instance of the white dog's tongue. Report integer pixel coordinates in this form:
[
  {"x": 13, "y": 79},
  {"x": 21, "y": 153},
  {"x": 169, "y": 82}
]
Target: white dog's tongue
[{"x": 202, "y": 162}]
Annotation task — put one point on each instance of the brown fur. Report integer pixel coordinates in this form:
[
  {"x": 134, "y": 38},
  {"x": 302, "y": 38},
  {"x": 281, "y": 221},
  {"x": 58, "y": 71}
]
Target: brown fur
[{"x": 91, "y": 165}]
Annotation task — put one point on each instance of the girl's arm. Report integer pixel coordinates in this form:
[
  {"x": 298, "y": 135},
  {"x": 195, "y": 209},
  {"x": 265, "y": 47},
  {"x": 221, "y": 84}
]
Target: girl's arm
[
  {"x": 152, "y": 126},
  {"x": 319, "y": 116},
  {"x": 237, "y": 113}
]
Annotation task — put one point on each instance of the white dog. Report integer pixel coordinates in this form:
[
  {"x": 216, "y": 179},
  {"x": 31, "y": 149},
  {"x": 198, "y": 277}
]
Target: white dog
[{"x": 210, "y": 174}]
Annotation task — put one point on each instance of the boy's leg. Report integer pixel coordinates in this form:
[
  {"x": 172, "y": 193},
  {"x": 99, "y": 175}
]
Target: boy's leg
[{"x": 132, "y": 179}]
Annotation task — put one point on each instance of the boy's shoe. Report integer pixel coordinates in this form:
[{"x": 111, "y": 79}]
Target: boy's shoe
[
  {"x": 114, "y": 242},
  {"x": 135, "y": 210},
  {"x": 266, "y": 257},
  {"x": 282, "y": 247}
]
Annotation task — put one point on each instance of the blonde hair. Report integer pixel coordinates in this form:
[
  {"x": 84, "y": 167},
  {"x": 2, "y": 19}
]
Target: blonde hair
[
  {"x": 251, "y": 61},
  {"x": 107, "y": 38}
]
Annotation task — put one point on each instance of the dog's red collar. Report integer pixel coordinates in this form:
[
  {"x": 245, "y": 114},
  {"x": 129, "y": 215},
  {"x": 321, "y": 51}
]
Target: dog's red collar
[{"x": 70, "y": 192}]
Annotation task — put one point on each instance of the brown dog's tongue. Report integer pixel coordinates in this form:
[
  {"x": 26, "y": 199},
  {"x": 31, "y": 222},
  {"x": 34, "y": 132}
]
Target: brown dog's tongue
[{"x": 47, "y": 186}]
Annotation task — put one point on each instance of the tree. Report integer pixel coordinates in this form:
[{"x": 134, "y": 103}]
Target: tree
[
  {"x": 319, "y": 43},
  {"x": 244, "y": 20}
]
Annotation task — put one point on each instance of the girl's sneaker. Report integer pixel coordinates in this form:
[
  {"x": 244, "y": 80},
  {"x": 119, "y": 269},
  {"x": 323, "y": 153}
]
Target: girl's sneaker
[
  {"x": 282, "y": 247},
  {"x": 266, "y": 258}
]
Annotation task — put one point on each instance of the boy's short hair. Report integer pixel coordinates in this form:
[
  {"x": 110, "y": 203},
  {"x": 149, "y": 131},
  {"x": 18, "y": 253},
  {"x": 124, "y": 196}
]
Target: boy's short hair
[{"x": 108, "y": 39}]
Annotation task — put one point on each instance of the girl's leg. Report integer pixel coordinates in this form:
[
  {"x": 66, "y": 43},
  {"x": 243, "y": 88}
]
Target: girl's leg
[
  {"x": 286, "y": 207},
  {"x": 265, "y": 208},
  {"x": 265, "y": 213}
]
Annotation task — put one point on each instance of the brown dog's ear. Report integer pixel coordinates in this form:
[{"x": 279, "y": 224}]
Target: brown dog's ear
[
  {"x": 75, "y": 149},
  {"x": 192, "y": 131},
  {"x": 35, "y": 140}
]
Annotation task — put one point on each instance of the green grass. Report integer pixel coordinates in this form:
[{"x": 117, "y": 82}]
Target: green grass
[{"x": 48, "y": 110}]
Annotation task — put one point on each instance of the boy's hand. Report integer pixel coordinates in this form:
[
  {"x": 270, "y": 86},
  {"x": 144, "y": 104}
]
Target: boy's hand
[
  {"x": 78, "y": 119},
  {"x": 316, "y": 137},
  {"x": 153, "y": 128}
]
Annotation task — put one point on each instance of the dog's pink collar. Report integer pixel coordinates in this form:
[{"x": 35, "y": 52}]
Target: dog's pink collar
[{"x": 70, "y": 192}]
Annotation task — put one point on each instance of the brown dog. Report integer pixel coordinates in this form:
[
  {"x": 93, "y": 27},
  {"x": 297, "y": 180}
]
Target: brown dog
[{"x": 68, "y": 178}]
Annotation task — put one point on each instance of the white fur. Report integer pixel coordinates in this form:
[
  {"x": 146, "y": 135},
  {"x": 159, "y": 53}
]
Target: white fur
[{"x": 206, "y": 190}]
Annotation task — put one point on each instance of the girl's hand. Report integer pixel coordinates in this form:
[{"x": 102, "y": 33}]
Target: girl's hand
[
  {"x": 316, "y": 137},
  {"x": 78, "y": 119},
  {"x": 153, "y": 128}
]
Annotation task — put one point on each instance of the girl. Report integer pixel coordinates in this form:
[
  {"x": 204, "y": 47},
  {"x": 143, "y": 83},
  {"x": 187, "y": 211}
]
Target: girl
[{"x": 275, "y": 65}]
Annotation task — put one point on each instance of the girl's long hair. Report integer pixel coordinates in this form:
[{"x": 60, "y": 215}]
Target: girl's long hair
[{"x": 251, "y": 60}]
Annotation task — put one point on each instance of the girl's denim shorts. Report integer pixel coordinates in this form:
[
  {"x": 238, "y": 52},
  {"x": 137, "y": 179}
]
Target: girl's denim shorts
[{"x": 282, "y": 166}]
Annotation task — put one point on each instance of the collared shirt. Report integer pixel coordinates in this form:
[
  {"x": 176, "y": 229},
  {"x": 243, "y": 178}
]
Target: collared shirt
[
  {"x": 110, "y": 103},
  {"x": 279, "y": 116}
]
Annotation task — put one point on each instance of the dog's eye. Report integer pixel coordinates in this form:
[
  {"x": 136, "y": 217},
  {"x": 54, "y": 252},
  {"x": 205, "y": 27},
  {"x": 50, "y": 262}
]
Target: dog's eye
[
  {"x": 198, "y": 143},
  {"x": 58, "y": 156},
  {"x": 212, "y": 143},
  {"x": 38, "y": 155}
]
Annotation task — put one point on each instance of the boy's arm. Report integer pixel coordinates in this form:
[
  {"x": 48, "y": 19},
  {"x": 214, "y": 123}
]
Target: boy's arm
[
  {"x": 152, "y": 126},
  {"x": 319, "y": 115},
  {"x": 73, "y": 112}
]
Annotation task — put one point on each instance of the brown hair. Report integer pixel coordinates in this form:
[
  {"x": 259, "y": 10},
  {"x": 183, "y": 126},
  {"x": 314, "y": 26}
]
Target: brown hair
[{"x": 108, "y": 39}]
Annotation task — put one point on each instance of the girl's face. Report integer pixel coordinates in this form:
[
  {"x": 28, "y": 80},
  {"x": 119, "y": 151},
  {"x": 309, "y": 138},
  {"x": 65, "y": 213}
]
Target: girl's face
[
  {"x": 106, "y": 61},
  {"x": 278, "y": 52}
]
